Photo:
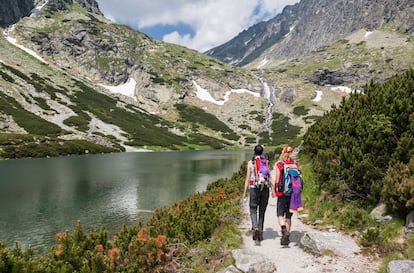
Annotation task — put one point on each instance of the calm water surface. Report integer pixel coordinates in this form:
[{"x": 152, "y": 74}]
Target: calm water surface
[{"x": 40, "y": 197}]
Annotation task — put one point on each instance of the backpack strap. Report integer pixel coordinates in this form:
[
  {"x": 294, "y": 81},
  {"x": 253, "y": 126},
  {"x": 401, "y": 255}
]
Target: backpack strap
[
  {"x": 252, "y": 173},
  {"x": 281, "y": 171},
  {"x": 257, "y": 166}
]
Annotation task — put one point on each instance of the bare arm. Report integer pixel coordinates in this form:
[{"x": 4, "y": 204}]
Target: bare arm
[
  {"x": 270, "y": 176},
  {"x": 276, "y": 181},
  {"x": 246, "y": 181}
]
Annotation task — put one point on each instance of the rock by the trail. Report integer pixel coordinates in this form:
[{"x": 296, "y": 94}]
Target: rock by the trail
[
  {"x": 379, "y": 213},
  {"x": 409, "y": 223},
  {"x": 403, "y": 266},
  {"x": 252, "y": 262},
  {"x": 319, "y": 242}
]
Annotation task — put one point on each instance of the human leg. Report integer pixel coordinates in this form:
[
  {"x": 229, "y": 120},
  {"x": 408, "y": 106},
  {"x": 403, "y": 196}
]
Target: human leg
[
  {"x": 284, "y": 218},
  {"x": 253, "y": 204},
  {"x": 282, "y": 210},
  {"x": 263, "y": 202},
  {"x": 288, "y": 215},
  {"x": 288, "y": 223}
]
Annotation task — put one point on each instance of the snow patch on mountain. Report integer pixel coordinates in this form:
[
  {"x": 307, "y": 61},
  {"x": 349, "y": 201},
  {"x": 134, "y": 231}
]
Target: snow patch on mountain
[
  {"x": 126, "y": 89},
  {"x": 345, "y": 89},
  {"x": 39, "y": 7},
  {"x": 204, "y": 95},
  {"x": 13, "y": 41},
  {"x": 318, "y": 96}
]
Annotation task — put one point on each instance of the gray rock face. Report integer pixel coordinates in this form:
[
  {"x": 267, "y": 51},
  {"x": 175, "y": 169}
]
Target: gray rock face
[
  {"x": 310, "y": 24},
  {"x": 327, "y": 77},
  {"x": 89, "y": 5},
  {"x": 12, "y": 10}
]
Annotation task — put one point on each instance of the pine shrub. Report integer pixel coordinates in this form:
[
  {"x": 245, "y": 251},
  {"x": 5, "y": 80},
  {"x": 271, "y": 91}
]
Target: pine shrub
[{"x": 398, "y": 191}]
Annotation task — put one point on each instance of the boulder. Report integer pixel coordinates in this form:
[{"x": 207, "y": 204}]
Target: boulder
[
  {"x": 249, "y": 261},
  {"x": 403, "y": 266},
  {"x": 320, "y": 242},
  {"x": 379, "y": 213},
  {"x": 409, "y": 223}
]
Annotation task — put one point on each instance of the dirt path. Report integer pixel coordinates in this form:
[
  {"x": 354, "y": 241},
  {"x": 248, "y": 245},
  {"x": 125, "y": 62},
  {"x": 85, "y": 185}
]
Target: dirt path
[{"x": 293, "y": 259}]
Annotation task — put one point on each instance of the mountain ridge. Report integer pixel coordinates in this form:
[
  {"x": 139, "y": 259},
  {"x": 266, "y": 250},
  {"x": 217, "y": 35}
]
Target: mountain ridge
[
  {"x": 86, "y": 52},
  {"x": 305, "y": 26},
  {"x": 91, "y": 54}
]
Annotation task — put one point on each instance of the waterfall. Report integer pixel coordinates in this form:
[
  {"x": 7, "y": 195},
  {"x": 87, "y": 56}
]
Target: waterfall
[{"x": 268, "y": 94}]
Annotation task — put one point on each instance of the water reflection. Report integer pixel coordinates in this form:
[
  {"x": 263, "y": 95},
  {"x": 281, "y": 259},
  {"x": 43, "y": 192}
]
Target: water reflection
[{"x": 40, "y": 197}]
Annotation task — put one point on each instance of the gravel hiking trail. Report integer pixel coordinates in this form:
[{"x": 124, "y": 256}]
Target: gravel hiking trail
[{"x": 293, "y": 258}]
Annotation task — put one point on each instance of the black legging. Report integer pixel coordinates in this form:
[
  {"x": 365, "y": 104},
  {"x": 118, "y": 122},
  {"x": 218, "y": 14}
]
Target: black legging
[{"x": 258, "y": 198}]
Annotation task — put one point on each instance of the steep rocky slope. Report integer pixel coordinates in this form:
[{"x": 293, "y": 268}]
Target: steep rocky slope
[
  {"x": 317, "y": 51},
  {"x": 76, "y": 54},
  {"x": 196, "y": 98},
  {"x": 311, "y": 24},
  {"x": 12, "y": 10}
]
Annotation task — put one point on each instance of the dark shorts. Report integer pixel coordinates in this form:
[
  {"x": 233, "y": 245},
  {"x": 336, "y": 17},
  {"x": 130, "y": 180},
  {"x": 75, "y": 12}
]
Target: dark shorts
[{"x": 283, "y": 204}]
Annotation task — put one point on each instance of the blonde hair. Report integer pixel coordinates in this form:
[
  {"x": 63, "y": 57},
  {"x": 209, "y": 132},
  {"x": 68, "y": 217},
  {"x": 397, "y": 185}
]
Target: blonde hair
[{"x": 287, "y": 155}]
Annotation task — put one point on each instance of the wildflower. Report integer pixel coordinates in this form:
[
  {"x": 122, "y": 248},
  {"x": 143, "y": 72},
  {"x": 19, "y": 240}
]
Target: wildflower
[
  {"x": 59, "y": 250},
  {"x": 160, "y": 255},
  {"x": 143, "y": 236},
  {"x": 58, "y": 236},
  {"x": 113, "y": 257},
  {"x": 209, "y": 198},
  {"x": 161, "y": 241},
  {"x": 221, "y": 193}
]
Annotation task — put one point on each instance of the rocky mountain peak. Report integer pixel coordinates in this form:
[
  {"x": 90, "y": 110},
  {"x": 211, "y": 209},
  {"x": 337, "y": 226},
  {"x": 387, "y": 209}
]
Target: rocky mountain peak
[
  {"x": 310, "y": 24},
  {"x": 88, "y": 5},
  {"x": 12, "y": 10}
]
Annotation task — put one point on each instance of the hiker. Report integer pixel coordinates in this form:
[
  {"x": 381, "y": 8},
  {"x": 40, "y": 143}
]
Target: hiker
[
  {"x": 285, "y": 194},
  {"x": 257, "y": 179}
]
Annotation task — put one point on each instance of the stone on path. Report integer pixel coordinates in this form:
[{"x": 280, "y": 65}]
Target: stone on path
[
  {"x": 401, "y": 266},
  {"x": 249, "y": 261},
  {"x": 320, "y": 242}
]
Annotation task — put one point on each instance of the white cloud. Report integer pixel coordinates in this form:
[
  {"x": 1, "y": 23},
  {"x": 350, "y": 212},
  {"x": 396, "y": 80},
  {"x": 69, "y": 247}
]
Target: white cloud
[{"x": 214, "y": 21}]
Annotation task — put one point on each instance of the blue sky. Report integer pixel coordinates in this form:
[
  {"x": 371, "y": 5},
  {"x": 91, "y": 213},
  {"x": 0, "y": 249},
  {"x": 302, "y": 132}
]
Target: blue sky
[{"x": 196, "y": 24}]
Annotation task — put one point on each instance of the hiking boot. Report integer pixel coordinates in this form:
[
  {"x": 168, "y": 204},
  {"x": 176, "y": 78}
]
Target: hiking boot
[
  {"x": 285, "y": 240},
  {"x": 256, "y": 234},
  {"x": 260, "y": 236}
]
